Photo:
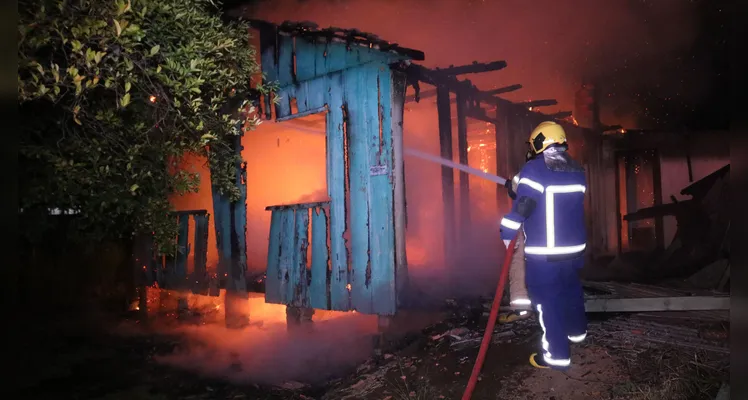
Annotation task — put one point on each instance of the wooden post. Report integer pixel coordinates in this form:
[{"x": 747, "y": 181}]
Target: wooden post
[
  {"x": 231, "y": 230},
  {"x": 448, "y": 184},
  {"x": 462, "y": 151},
  {"x": 179, "y": 273}
]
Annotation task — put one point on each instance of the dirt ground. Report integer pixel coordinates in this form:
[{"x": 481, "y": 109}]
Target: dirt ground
[{"x": 68, "y": 359}]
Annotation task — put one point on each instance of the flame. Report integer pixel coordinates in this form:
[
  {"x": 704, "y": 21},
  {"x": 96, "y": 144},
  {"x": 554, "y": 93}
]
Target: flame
[{"x": 211, "y": 310}]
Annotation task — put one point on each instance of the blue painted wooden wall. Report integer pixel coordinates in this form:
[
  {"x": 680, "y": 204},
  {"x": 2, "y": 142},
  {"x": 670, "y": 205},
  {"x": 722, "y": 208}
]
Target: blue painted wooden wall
[
  {"x": 231, "y": 230},
  {"x": 354, "y": 84}
]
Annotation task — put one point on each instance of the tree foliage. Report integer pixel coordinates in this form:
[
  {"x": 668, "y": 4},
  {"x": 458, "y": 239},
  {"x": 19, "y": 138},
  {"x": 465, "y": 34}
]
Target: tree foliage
[{"x": 112, "y": 94}]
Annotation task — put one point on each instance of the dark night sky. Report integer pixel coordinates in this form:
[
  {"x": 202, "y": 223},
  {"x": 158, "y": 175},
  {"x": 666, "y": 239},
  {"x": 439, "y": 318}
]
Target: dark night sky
[
  {"x": 687, "y": 87},
  {"x": 697, "y": 94}
]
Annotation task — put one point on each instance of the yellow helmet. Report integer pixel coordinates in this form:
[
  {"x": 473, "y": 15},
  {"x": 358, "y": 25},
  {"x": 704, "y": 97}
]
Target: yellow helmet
[{"x": 546, "y": 134}]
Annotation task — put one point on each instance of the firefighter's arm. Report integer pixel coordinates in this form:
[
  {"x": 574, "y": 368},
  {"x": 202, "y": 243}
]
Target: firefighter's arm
[{"x": 529, "y": 191}]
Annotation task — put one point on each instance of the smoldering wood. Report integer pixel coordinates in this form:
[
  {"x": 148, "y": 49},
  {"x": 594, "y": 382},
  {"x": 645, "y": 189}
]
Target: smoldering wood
[
  {"x": 560, "y": 115},
  {"x": 539, "y": 103},
  {"x": 480, "y": 115},
  {"x": 423, "y": 94},
  {"x": 501, "y": 90},
  {"x": 473, "y": 68},
  {"x": 462, "y": 150},
  {"x": 430, "y": 77},
  {"x": 310, "y": 30}
]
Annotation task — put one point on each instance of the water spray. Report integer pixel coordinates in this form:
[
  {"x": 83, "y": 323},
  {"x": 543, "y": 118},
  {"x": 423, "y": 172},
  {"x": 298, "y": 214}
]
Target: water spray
[
  {"x": 451, "y": 164},
  {"x": 424, "y": 156}
]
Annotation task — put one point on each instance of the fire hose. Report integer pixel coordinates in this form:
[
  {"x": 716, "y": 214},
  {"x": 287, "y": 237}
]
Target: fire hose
[{"x": 488, "y": 334}]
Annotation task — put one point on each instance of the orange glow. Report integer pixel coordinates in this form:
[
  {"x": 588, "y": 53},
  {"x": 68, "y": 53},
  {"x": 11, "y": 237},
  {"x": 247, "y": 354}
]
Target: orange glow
[
  {"x": 211, "y": 307},
  {"x": 152, "y": 99}
]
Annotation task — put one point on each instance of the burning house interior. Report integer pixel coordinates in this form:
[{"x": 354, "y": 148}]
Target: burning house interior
[{"x": 368, "y": 226}]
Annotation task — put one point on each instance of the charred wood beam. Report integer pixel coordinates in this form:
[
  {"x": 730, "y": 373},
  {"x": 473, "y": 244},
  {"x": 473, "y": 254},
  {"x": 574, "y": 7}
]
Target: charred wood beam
[
  {"x": 462, "y": 152},
  {"x": 473, "y": 68},
  {"x": 560, "y": 115},
  {"x": 480, "y": 115},
  {"x": 539, "y": 103},
  {"x": 430, "y": 77},
  {"x": 448, "y": 193},
  {"x": 420, "y": 95},
  {"x": 505, "y": 89}
]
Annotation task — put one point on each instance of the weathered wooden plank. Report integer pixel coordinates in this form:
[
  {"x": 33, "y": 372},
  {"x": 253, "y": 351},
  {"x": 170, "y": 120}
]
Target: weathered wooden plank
[
  {"x": 337, "y": 186},
  {"x": 288, "y": 247},
  {"x": 269, "y": 62},
  {"x": 238, "y": 211},
  {"x": 381, "y": 213},
  {"x": 306, "y": 55},
  {"x": 283, "y": 108},
  {"x": 336, "y": 59},
  {"x": 397, "y": 100},
  {"x": 318, "y": 288},
  {"x": 200, "y": 273},
  {"x": 273, "y": 275},
  {"x": 315, "y": 93},
  {"x": 297, "y": 288},
  {"x": 302, "y": 114},
  {"x": 297, "y": 206},
  {"x": 320, "y": 58},
  {"x": 286, "y": 60},
  {"x": 222, "y": 224},
  {"x": 362, "y": 118}
]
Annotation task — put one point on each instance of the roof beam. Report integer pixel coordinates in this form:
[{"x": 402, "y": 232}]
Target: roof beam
[
  {"x": 425, "y": 75},
  {"x": 473, "y": 68},
  {"x": 505, "y": 89},
  {"x": 539, "y": 103}
]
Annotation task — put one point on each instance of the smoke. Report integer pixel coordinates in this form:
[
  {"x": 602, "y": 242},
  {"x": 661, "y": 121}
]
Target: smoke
[
  {"x": 635, "y": 49},
  {"x": 266, "y": 351},
  {"x": 273, "y": 355}
]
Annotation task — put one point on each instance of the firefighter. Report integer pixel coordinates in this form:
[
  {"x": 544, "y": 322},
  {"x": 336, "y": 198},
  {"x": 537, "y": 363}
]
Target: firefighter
[
  {"x": 519, "y": 300},
  {"x": 550, "y": 210}
]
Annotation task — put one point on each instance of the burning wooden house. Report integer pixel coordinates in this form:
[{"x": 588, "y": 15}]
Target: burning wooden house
[
  {"x": 346, "y": 249},
  {"x": 357, "y": 84}
]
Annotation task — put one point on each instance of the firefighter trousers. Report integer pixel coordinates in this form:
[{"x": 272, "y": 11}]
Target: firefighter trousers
[{"x": 556, "y": 294}]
